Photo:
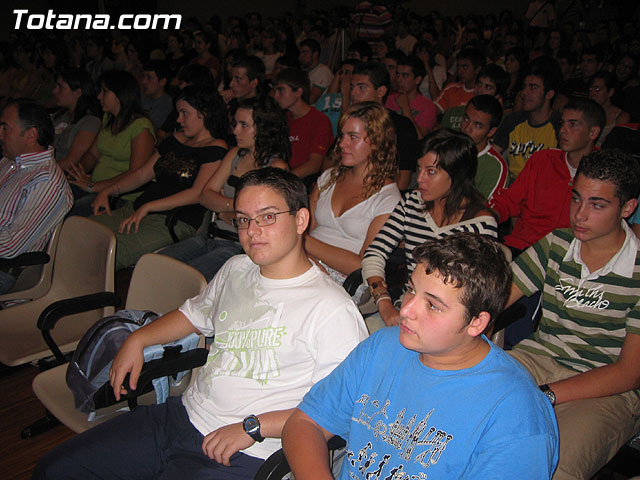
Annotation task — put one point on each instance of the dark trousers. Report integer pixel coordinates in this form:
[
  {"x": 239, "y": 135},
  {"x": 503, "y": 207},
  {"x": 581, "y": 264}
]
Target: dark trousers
[
  {"x": 155, "y": 442},
  {"x": 524, "y": 326}
]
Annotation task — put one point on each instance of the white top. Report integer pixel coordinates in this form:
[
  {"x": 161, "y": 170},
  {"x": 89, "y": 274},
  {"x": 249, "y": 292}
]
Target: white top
[
  {"x": 273, "y": 340},
  {"x": 349, "y": 230}
]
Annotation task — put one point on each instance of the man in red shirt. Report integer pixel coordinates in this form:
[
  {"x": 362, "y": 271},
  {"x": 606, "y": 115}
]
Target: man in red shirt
[
  {"x": 309, "y": 130},
  {"x": 409, "y": 102},
  {"x": 539, "y": 197},
  {"x": 469, "y": 62}
]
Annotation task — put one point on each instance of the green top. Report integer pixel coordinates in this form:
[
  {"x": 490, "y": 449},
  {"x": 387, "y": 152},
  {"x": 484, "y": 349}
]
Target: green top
[
  {"x": 115, "y": 150},
  {"x": 585, "y": 316}
]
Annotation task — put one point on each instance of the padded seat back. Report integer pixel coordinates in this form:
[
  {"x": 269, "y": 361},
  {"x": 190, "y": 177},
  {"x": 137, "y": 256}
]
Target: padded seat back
[{"x": 83, "y": 264}]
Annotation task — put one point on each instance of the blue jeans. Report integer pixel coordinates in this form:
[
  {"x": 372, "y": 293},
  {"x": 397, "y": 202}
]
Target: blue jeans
[
  {"x": 6, "y": 282},
  {"x": 151, "y": 442},
  {"x": 203, "y": 253}
]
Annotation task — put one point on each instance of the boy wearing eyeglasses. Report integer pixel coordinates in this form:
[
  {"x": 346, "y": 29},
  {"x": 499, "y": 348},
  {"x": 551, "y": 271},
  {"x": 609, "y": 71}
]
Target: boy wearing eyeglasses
[{"x": 280, "y": 325}]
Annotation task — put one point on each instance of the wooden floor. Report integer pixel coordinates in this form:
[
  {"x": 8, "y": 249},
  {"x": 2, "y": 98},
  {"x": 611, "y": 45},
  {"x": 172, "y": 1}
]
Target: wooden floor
[{"x": 19, "y": 407}]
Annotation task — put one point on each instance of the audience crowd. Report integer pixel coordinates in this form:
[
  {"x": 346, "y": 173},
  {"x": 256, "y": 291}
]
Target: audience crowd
[{"x": 402, "y": 129}]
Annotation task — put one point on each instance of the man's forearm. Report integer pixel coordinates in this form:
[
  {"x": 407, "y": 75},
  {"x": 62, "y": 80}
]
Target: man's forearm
[
  {"x": 305, "y": 445},
  {"x": 599, "y": 382},
  {"x": 165, "y": 329},
  {"x": 272, "y": 423}
]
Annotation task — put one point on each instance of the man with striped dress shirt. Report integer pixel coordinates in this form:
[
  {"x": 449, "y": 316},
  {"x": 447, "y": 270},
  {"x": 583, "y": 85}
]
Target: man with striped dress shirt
[{"x": 34, "y": 194}]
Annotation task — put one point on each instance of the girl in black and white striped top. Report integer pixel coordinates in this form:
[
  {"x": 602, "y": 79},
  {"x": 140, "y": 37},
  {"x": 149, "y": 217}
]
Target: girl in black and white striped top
[{"x": 445, "y": 202}]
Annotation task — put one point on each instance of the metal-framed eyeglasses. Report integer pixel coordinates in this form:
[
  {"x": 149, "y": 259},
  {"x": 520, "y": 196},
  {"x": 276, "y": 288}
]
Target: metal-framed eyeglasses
[{"x": 263, "y": 220}]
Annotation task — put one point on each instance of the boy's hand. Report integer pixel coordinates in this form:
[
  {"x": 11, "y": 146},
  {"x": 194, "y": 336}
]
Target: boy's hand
[
  {"x": 129, "y": 359},
  {"x": 222, "y": 443}
]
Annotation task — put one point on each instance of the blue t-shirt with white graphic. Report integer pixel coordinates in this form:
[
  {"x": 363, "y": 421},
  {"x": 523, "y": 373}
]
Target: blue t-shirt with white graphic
[{"x": 403, "y": 420}]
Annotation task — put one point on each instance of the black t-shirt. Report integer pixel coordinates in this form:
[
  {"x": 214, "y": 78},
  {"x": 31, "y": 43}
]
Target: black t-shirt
[
  {"x": 407, "y": 141},
  {"x": 175, "y": 171}
]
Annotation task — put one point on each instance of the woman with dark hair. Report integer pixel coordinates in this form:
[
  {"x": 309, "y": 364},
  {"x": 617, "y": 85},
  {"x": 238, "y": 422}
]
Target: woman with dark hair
[
  {"x": 270, "y": 51},
  {"x": 601, "y": 90},
  {"x": 207, "y": 52},
  {"x": 515, "y": 63},
  {"x": 123, "y": 145},
  {"x": 351, "y": 201},
  {"x": 23, "y": 79},
  {"x": 262, "y": 136},
  {"x": 436, "y": 74},
  {"x": 180, "y": 166},
  {"x": 78, "y": 122},
  {"x": 174, "y": 54},
  {"x": 445, "y": 202}
]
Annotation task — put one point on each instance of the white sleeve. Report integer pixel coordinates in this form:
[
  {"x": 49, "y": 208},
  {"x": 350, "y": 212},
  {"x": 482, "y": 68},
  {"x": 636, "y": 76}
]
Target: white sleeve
[
  {"x": 386, "y": 200},
  {"x": 334, "y": 336}
]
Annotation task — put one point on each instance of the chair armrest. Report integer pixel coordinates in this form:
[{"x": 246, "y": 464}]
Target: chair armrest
[
  {"x": 276, "y": 466},
  {"x": 172, "y": 363},
  {"x": 71, "y": 306},
  {"x": 25, "y": 260},
  {"x": 172, "y": 219},
  {"x": 353, "y": 281},
  {"x": 178, "y": 214}
]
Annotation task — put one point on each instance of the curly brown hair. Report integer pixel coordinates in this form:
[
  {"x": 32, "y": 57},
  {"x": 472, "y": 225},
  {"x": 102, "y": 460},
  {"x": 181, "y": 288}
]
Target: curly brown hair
[{"x": 382, "y": 138}]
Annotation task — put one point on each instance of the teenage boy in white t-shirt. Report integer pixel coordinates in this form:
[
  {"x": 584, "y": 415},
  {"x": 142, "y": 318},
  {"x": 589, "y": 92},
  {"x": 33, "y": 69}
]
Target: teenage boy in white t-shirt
[{"x": 280, "y": 325}]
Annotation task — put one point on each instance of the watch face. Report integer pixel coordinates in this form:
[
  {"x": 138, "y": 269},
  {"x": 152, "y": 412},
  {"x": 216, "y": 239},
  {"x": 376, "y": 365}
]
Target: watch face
[
  {"x": 551, "y": 396},
  {"x": 250, "y": 423}
]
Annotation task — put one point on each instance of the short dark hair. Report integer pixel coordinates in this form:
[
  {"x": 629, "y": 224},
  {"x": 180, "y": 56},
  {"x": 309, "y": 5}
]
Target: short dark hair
[
  {"x": 425, "y": 46},
  {"x": 592, "y": 112},
  {"x": 160, "y": 68},
  {"x": 417, "y": 67},
  {"x": 287, "y": 184},
  {"x": 595, "y": 51},
  {"x": 362, "y": 47},
  {"x": 608, "y": 78},
  {"x": 397, "y": 55},
  {"x": 32, "y": 115},
  {"x": 313, "y": 45},
  {"x": 296, "y": 79},
  {"x": 474, "y": 55},
  {"x": 377, "y": 73},
  {"x": 253, "y": 65},
  {"x": 349, "y": 61},
  {"x": 474, "y": 264},
  {"x": 196, "y": 74},
  {"x": 615, "y": 166},
  {"x": 497, "y": 75},
  {"x": 546, "y": 69},
  {"x": 490, "y": 105},
  {"x": 208, "y": 103}
]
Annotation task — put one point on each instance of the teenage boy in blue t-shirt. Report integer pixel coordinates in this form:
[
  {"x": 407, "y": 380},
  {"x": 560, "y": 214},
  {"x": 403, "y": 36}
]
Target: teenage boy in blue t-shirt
[{"x": 432, "y": 398}]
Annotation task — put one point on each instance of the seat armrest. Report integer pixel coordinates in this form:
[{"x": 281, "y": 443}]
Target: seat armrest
[
  {"x": 71, "y": 306},
  {"x": 170, "y": 364},
  {"x": 353, "y": 281},
  {"x": 276, "y": 466},
  {"x": 25, "y": 260}
]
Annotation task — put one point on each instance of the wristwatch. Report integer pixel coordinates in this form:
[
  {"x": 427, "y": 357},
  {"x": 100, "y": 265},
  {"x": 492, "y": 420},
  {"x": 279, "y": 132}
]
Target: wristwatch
[
  {"x": 251, "y": 426},
  {"x": 548, "y": 393}
]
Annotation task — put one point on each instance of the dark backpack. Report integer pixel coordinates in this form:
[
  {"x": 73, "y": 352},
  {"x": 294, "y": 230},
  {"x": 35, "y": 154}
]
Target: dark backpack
[{"x": 88, "y": 371}]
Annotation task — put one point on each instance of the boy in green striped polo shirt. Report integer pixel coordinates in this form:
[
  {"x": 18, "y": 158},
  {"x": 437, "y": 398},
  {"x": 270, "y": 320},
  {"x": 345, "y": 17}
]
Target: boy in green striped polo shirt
[{"x": 585, "y": 354}]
